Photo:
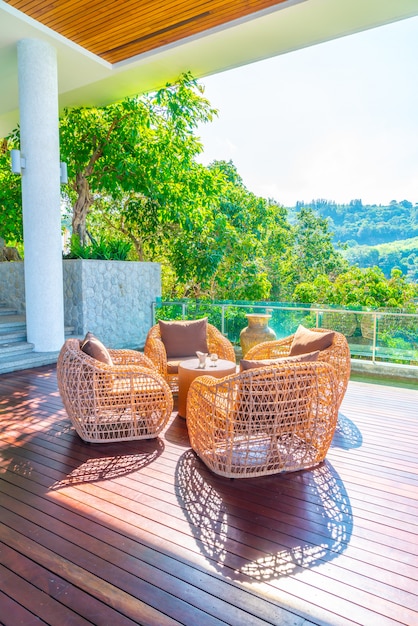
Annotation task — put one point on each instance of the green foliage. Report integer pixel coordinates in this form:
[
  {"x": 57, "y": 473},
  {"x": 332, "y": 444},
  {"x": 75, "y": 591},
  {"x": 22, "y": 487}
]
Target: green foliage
[
  {"x": 369, "y": 287},
  {"x": 136, "y": 188},
  {"x": 137, "y": 155},
  {"x": 103, "y": 249},
  {"x": 224, "y": 250},
  {"x": 359, "y": 287},
  {"x": 318, "y": 291},
  {"x": 312, "y": 255},
  {"x": 11, "y": 229},
  {"x": 368, "y": 224},
  {"x": 402, "y": 255},
  {"x": 373, "y": 235}
]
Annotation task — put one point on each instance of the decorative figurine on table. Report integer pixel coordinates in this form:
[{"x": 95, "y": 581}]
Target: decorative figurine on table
[{"x": 202, "y": 356}]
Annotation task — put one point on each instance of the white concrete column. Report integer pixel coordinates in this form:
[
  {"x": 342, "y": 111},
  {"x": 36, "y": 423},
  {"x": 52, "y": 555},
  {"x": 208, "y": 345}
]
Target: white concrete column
[{"x": 38, "y": 103}]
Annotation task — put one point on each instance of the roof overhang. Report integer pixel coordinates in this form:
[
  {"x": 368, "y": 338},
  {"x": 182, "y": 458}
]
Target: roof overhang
[{"x": 88, "y": 79}]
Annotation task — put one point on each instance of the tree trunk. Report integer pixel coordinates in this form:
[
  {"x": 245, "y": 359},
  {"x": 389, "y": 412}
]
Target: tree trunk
[
  {"x": 138, "y": 247},
  {"x": 81, "y": 207}
]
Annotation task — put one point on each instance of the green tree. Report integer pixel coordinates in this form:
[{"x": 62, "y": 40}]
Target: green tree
[
  {"x": 223, "y": 253},
  {"x": 135, "y": 159},
  {"x": 320, "y": 291},
  {"x": 312, "y": 253},
  {"x": 359, "y": 287},
  {"x": 369, "y": 287},
  {"x": 277, "y": 246}
]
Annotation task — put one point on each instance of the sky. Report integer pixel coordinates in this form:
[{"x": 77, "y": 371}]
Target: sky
[{"x": 337, "y": 121}]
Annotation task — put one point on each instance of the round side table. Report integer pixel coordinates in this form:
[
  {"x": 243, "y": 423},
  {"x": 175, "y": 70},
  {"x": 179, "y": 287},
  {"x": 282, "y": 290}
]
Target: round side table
[{"x": 189, "y": 370}]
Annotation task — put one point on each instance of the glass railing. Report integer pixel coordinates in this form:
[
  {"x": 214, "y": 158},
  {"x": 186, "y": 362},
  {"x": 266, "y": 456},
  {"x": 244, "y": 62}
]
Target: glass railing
[{"x": 376, "y": 335}]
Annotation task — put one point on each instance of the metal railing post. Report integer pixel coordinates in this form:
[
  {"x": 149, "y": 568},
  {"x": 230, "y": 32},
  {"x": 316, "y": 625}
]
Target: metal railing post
[{"x": 374, "y": 337}]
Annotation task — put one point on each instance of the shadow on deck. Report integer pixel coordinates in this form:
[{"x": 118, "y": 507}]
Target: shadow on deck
[{"x": 142, "y": 533}]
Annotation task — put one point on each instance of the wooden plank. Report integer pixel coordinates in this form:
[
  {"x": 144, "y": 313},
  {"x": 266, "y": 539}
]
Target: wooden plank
[
  {"x": 13, "y": 613},
  {"x": 337, "y": 544},
  {"x": 39, "y": 603},
  {"x": 117, "y": 31},
  {"x": 96, "y": 543}
]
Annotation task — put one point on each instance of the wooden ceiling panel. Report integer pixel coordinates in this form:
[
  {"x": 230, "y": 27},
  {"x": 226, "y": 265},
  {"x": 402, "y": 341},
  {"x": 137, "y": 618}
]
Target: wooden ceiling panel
[{"x": 117, "y": 31}]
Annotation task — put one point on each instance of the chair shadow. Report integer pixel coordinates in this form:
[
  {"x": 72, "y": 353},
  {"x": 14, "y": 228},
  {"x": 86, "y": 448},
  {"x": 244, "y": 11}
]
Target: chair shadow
[
  {"x": 347, "y": 435},
  {"x": 29, "y": 423},
  {"x": 265, "y": 528},
  {"x": 100, "y": 462}
]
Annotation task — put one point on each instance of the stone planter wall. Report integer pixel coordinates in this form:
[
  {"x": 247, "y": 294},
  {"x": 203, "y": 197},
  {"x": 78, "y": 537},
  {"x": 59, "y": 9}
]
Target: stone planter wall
[
  {"x": 12, "y": 285},
  {"x": 112, "y": 299}
]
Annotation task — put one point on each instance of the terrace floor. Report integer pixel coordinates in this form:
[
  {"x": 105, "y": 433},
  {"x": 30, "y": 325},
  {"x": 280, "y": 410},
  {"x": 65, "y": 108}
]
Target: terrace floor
[{"x": 142, "y": 533}]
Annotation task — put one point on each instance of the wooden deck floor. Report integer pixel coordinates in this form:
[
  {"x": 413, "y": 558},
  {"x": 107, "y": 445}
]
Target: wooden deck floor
[{"x": 142, "y": 533}]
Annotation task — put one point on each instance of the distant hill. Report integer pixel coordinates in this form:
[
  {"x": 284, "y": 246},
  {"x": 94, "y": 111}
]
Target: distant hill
[
  {"x": 401, "y": 254},
  {"x": 386, "y": 236},
  {"x": 367, "y": 224}
]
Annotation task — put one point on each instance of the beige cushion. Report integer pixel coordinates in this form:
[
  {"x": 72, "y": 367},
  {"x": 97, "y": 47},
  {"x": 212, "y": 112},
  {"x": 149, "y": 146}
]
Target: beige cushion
[
  {"x": 184, "y": 338},
  {"x": 306, "y": 340},
  {"x": 94, "y": 348},
  {"x": 246, "y": 364}
]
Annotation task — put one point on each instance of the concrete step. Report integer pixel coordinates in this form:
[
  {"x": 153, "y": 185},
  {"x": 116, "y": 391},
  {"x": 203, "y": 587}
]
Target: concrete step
[
  {"x": 26, "y": 361},
  {"x": 16, "y": 353},
  {"x": 13, "y": 348},
  {"x": 18, "y": 334},
  {"x": 5, "y": 310},
  {"x": 11, "y": 323}
]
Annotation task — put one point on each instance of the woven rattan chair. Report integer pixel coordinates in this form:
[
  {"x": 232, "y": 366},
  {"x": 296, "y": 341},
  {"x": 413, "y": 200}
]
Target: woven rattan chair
[
  {"x": 154, "y": 349},
  {"x": 124, "y": 401},
  {"x": 278, "y": 418},
  {"x": 338, "y": 355}
]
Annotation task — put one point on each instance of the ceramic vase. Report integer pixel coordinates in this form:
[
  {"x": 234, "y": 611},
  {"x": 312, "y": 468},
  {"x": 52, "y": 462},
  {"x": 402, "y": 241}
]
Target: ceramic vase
[{"x": 256, "y": 332}]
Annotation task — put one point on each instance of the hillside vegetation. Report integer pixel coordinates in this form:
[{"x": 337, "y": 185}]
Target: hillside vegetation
[
  {"x": 401, "y": 255},
  {"x": 374, "y": 235},
  {"x": 369, "y": 225}
]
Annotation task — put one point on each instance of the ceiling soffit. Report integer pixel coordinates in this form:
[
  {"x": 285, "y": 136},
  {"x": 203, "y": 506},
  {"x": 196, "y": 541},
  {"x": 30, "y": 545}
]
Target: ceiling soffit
[
  {"x": 125, "y": 47},
  {"x": 117, "y": 31}
]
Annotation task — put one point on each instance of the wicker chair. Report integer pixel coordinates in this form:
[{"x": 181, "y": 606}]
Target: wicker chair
[
  {"x": 124, "y": 401},
  {"x": 278, "y": 418},
  {"x": 154, "y": 349},
  {"x": 338, "y": 355}
]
